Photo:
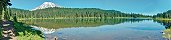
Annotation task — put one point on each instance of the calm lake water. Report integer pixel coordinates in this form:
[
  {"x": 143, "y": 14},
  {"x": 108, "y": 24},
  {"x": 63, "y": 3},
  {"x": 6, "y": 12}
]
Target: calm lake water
[{"x": 100, "y": 29}]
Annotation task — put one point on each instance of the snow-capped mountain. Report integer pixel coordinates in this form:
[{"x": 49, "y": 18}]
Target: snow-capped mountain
[{"x": 46, "y": 5}]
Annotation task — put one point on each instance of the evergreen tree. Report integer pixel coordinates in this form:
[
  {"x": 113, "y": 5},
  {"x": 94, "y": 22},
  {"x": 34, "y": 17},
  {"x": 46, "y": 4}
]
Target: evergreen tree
[{"x": 72, "y": 13}]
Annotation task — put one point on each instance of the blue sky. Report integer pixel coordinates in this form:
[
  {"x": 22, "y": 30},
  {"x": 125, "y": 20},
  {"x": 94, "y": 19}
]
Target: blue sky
[{"x": 149, "y": 7}]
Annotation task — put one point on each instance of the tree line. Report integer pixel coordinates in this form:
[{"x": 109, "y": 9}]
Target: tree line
[
  {"x": 4, "y": 13},
  {"x": 163, "y": 15},
  {"x": 72, "y": 13}
]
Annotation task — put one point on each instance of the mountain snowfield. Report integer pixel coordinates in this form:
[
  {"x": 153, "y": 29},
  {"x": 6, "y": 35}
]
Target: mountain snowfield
[{"x": 46, "y": 5}]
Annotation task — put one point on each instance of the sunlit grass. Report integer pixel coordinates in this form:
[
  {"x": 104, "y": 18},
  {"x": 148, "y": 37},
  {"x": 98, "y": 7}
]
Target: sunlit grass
[
  {"x": 29, "y": 36},
  {"x": 25, "y": 32},
  {"x": 167, "y": 33},
  {"x": 0, "y": 30},
  {"x": 162, "y": 19}
]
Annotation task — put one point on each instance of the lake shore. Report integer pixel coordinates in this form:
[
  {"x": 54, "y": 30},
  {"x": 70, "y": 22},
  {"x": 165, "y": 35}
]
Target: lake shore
[
  {"x": 161, "y": 19},
  {"x": 25, "y": 32},
  {"x": 109, "y": 22},
  {"x": 167, "y": 33}
]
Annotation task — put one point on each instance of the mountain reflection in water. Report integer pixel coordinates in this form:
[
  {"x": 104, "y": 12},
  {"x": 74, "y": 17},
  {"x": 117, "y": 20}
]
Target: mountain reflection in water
[{"x": 100, "y": 29}]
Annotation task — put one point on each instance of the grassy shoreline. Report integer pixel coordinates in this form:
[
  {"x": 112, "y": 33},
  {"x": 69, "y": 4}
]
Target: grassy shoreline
[
  {"x": 25, "y": 32},
  {"x": 167, "y": 33},
  {"x": 161, "y": 19}
]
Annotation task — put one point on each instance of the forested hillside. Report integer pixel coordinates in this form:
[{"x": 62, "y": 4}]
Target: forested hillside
[
  {"x": 163, "y": 15},
  {"x": 71, "y": 13}
]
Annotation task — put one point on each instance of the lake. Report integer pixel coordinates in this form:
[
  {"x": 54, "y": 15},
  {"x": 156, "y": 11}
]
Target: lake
[{"x": 100, "y": 29}]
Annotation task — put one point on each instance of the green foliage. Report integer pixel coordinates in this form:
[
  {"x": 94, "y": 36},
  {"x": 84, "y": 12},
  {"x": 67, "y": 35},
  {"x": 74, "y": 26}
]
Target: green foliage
[
  {"x": 0, "y": 32},
  {"x": 163, "y": 15},
  {"x": 71, "y": 13},
  {"x": 4, "y": 12},
  {"x": 3, "y": 6},
  {"x": 25, "y": 32},
  {"x": 29, "y": 36},
  {"x": 0, "y": 29}
]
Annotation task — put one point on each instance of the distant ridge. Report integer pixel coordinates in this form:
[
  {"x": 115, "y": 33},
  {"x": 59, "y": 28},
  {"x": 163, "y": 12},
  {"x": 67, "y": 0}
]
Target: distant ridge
[{"x": 46, "y": 5}]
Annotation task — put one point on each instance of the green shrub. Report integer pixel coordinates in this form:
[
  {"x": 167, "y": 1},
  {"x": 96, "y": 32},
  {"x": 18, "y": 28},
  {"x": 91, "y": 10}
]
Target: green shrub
[{"x": 25, "y": 32}]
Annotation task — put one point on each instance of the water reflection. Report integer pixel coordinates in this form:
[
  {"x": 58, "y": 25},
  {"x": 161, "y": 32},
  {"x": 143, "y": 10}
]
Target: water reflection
[
  {"x": 122, "y": 31},
  {"x": 167, "y": 31},
  {"x": 102, "y": 29},
  {"x": 68, "y": 23},
  {"x": 44, "y": 30}
]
